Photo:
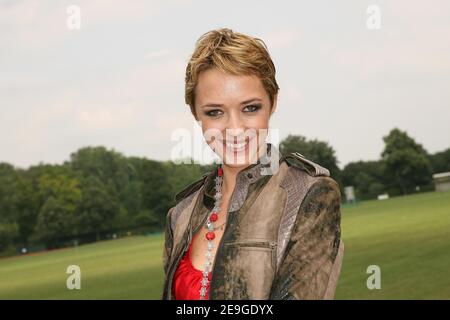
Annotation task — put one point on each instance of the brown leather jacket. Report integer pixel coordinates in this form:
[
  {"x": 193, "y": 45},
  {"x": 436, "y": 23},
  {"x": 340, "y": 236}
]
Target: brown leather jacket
[{"x": 282, "y": 238}]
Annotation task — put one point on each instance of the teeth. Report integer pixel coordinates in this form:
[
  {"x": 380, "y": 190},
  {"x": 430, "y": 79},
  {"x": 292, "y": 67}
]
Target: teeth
[{"x": 235, "y": 146}]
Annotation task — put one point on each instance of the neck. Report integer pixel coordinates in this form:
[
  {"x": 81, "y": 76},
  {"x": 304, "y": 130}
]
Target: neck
[{"x": 229, "y": 178}]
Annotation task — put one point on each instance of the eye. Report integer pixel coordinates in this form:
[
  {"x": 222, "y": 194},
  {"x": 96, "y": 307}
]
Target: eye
[
  {"x": 213, "y": 113},
  {"x": 252, "y": 108}
]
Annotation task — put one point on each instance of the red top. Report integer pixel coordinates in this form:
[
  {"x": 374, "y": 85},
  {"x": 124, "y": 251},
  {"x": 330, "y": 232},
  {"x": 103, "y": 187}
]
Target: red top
[{"x": 187, "y": 279}]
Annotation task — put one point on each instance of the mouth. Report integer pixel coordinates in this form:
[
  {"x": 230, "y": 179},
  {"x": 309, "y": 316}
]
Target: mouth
[{"x": 236, "y": 147}]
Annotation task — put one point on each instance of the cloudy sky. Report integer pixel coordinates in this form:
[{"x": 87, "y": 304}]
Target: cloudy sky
[{"x": 118, "y": 81}]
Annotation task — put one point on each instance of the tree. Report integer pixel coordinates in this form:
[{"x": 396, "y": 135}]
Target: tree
[
  {"x": 60, "y": 195},
  {"x": 98, "y": 207},
  {"x": 114, "y": 174},
  {"x": 147, "y": 218},
  {"x": 16, "y": 200},
  {"x": 109, "y": 166},
  {"x": 182, "y": 175},
  {"x": 56, "y": 220},
  {"x": 8, "y": 233},
  {"x": 366, "y": 177},
  {"x": 156, "y": 190},
  {"x": 440, "y": 161},
  {"x": 406, "y": 162},
  {"x": 9, "y": 193}
]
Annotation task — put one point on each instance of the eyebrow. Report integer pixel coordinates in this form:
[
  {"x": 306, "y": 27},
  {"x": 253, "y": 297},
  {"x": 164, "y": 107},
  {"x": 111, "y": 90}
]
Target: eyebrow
[{"x": 221, "y": 105}]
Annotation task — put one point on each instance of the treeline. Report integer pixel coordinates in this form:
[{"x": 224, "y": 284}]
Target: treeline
[
  {"x": 100, "y": 193},
  {"x": 404, "y": 165}
]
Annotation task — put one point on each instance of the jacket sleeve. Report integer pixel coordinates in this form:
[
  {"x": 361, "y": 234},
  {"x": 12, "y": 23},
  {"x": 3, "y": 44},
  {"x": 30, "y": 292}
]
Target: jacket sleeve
[
  {"x": 168, "y": 241},
  {"x": 312, "y": 260}
]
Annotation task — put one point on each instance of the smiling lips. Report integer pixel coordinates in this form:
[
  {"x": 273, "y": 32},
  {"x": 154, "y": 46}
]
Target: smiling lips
[{"x": 236, "y": 147}]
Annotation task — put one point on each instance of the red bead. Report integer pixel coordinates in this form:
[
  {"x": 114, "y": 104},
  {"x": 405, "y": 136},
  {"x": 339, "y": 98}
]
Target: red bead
[
  {"x": 219, "y": 171},
  {"x": 210, "y": 235},
  {"x": 213, "y": 217}
]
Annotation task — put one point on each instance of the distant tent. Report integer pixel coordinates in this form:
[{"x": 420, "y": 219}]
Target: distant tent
[{"x": 442, "y": 181}]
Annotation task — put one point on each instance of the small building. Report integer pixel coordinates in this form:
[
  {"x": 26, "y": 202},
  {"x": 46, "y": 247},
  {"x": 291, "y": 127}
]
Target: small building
[
  {"x": 350, "y": 194},
  {"x": 383, "y": 196},
  {"x": 442, "y": 181}
]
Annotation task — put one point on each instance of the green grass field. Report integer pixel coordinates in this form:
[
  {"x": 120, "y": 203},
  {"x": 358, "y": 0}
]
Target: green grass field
[{"x": 407, "y": 237}]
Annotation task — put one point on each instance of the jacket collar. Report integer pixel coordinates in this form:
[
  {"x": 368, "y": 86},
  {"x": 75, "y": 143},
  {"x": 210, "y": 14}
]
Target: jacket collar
[{"x": 247, "y": 176}]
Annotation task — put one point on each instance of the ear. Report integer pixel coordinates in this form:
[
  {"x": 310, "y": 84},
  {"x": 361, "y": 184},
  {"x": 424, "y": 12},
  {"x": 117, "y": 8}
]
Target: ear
[{"x": 274, "y": 106}]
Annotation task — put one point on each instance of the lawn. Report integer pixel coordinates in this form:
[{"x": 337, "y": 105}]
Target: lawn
[
  {"x": 127, "y": 268},
  {"x": 407, "y": 237}
]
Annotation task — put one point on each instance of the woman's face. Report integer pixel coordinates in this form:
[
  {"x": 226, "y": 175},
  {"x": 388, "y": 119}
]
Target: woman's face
[{"x": 234, "y": 113}]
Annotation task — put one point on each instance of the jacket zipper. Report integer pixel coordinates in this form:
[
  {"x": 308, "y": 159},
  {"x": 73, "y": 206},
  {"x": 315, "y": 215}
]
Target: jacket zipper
[
  {"x": 269, "y": 245},
  {"x": 254, "y": 243}
]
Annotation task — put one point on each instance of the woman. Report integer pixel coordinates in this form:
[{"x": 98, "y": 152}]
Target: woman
[{"x": 261, "y": 225}]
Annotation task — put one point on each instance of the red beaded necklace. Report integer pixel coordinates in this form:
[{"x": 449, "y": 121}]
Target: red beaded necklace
[{"x": 210, "y": 235}]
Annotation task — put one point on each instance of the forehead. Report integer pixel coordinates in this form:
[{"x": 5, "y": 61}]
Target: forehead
[{"x": 214, "y": 85}]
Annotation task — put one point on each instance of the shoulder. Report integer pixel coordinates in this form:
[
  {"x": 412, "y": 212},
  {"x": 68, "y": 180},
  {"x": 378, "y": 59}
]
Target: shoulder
[
  {"x": 312, "y": 177},
  {"x": 300, "y": 162},
  {"x": 183, "y": 198},
  {"x": 324, "y": 190},
  {"x": 190, "y": 188}
]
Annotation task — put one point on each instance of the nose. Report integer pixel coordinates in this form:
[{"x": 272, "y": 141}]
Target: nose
[{"x": 235, "y": 128}]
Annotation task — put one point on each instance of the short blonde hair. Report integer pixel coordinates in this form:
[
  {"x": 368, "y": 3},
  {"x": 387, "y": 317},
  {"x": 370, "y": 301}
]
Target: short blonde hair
[{"x": 233, "y": 53}]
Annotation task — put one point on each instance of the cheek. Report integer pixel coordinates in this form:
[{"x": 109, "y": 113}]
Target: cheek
[
  {"x": 210, "y": 130},
  {"x": 259, "y": 122},
  {"x": 261, "y": 125}
]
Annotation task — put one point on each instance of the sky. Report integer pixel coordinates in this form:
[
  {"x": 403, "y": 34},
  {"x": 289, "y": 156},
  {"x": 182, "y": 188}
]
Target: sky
[{"x": 118, "y": 80}]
